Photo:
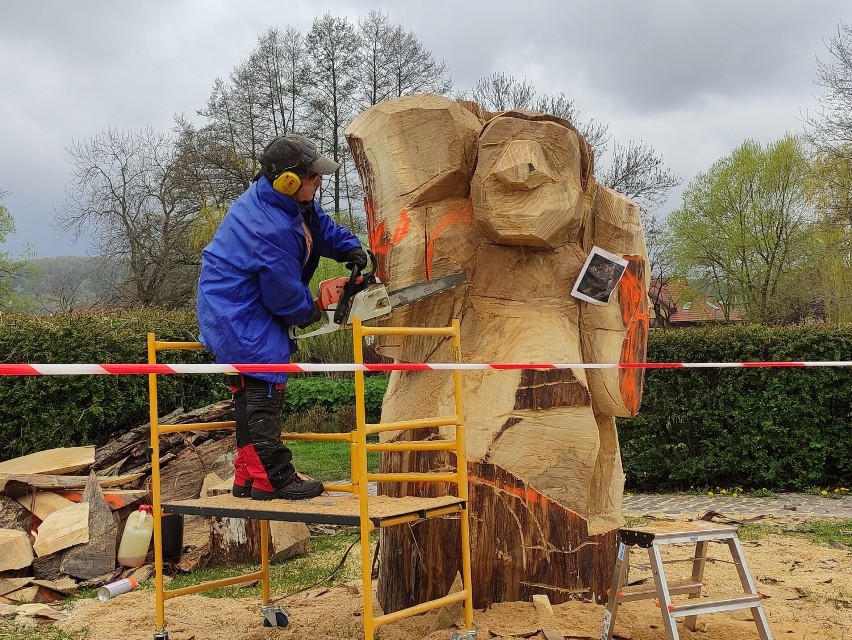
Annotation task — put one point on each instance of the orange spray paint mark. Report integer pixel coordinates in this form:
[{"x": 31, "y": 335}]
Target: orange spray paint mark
[
  {"x": 381, "y": 241},
  {"x": 634, "y": 314},
  {"x": 525, "y": 493},
  {"x": 402, "y": 228},
  {"x": 457, "y": 215}
]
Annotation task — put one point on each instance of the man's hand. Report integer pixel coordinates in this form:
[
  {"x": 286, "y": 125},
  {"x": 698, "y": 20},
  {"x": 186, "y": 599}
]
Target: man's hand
[
  {"x": 356, "y": 258},
  {"x": 316, "y": 316}
]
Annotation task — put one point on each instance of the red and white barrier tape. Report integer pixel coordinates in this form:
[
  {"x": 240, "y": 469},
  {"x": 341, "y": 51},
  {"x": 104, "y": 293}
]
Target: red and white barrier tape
[{"x": 125, "y": 369}]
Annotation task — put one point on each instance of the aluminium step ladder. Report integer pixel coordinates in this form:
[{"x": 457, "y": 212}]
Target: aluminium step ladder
[{"x": 664, "y": 590}]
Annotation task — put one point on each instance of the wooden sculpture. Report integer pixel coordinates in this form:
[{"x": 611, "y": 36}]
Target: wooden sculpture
[{"x": 511, "y": 199}]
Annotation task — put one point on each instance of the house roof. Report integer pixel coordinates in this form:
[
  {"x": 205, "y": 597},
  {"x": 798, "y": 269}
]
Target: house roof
[{"x": 685, "y": 304}]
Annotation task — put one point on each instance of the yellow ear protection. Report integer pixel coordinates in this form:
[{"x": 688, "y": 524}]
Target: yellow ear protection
[{"x": 287, "y": 181}]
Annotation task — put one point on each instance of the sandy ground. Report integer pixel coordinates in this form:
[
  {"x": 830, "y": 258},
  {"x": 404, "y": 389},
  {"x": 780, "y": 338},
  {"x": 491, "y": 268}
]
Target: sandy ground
[{"x": 808, "y": 591}]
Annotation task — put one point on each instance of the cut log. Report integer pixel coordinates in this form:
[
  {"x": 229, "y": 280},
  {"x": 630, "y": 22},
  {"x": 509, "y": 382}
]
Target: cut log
[
  {"x": 115, "y": 498},
  {"x": 97, "y": 556},
  {"x": 237, "y": 541},
  {"x": 511, "y": 199},
  {"x": 63, "y": 529},
  {"x": 23, "y": 483},
  {"x": 130, "y": 450},
  {"x": 42, "y": 503},
  {"x": 14, "y": 516},
  {"x": 47, "y": 567},
  {"x": 542, "y": 604},
  {"x": 234, "y": 540},
  {"x": 182, "y": 478},
  {"x": 446, "y": 616},
  {"x": 26, "y": 595},
  {"x": 55, "y": 461},
  {"x": 8, "y": 585},
  {"x": 16, "y": 552},
  {"x": 41, "y": 611},
  {"x": 65, "y": 586}
]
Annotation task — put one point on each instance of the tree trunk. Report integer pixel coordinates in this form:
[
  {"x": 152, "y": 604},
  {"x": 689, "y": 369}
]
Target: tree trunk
[
  {"x": 511, "y": 200},
  {"x": 237, "y": 541}
]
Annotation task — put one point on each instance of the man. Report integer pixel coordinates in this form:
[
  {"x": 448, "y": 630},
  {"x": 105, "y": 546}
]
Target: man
[{"x": 254, "y": 286}]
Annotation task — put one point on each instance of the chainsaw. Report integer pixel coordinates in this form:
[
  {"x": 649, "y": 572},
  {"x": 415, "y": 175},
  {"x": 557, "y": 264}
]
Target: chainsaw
[{"x": 364, "y": 296}]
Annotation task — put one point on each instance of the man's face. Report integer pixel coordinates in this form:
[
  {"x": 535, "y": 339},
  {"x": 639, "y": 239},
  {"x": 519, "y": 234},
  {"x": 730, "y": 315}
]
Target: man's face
[{"x": 308, "y": 188}]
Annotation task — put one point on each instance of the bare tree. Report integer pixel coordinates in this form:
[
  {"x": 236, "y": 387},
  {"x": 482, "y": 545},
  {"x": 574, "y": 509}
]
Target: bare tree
[
  {"x": 277, "y": 64},
  {"x": 413, "y": 67},
  {"x": 377, "y": 38},
  {"x": 333, "y": 45},
  {"x": 124, "y": 189},
  {"x": 638, "y": 172},
  {"x": 501, "y": 92},
  {"x": 635, "y": 170},
  {"x": 560, "y": 105},
  {"x": 830, "y": 128}
]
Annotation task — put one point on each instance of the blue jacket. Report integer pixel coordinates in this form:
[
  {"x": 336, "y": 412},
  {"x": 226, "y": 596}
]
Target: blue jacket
[{"x": 255, "y": 275}]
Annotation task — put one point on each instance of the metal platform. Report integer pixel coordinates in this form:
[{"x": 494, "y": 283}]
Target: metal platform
[{"x": 326, "y": 509}]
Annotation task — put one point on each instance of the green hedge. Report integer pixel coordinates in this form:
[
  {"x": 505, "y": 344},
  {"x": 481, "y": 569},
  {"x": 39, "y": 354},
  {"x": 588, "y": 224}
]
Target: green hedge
[
  {"x": 39, "y": 413},
  {"x": 334, "y": 393},
  {"x": 773, "y": 428},
  {"x": 57, "y": 411},
  {"x": 779, "y": 428}
]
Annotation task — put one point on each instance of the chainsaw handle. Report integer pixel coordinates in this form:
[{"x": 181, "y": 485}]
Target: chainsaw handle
[{"x": 353, "y": 286}]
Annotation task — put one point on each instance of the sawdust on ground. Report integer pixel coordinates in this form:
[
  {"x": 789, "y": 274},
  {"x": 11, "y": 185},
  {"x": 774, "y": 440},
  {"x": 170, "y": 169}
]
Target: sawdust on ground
[{"x": 808, "y": 591}]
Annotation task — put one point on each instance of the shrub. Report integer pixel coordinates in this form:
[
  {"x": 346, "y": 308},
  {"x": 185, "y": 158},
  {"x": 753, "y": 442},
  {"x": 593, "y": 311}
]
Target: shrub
[
  {"x": 780, "y": 428},
  {"x": 43, "y": 412},
  {"x": 39, "y": 413}
]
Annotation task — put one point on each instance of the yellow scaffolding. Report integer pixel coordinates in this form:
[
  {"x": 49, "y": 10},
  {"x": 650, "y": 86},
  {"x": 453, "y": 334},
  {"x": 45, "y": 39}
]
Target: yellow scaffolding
[{"x": 353, "y": 507}]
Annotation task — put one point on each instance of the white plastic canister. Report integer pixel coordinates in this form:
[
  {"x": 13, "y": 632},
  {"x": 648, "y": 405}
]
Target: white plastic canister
[{"x": 136, "y": 537}]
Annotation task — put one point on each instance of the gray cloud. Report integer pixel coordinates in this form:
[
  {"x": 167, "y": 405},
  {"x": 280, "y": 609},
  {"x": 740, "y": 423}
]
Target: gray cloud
[{"x": 691, "y": 78}]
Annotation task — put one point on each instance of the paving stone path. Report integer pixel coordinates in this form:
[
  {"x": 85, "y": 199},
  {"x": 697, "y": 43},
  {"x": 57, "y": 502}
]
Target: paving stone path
[{"x": 793, "y": 506}]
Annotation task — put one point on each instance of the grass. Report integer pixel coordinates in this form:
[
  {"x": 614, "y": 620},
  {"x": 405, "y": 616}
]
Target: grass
[
  {"x": 9, "y": 630},
  {"x": 326, "y": 461},
  {"x": 822, "y": 532},
  {"x": 289, "y": 576}
]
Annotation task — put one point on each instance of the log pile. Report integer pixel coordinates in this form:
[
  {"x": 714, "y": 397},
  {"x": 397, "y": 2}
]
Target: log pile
[{"x": 62, "y": 511}]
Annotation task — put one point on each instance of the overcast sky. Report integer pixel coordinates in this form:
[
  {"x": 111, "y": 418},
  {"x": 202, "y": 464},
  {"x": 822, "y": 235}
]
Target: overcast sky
[{"x": 691, "y": 78}]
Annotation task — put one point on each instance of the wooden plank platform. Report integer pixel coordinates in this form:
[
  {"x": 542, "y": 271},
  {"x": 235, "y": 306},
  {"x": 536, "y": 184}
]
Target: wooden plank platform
[{"x": 326, "y": 509}]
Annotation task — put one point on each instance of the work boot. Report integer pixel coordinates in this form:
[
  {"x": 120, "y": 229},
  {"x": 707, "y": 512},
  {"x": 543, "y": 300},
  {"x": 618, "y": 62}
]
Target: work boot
[
  {"x": 239, "y": 491},
  {"x": 297, "y": 489}
]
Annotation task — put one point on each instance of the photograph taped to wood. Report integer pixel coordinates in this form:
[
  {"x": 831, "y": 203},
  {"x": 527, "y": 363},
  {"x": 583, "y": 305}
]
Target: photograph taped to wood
[{"x": 599, "y": 276}]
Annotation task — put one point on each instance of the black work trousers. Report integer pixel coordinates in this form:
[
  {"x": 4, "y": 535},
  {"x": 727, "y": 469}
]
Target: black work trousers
[{"x": 261, "y": 456}]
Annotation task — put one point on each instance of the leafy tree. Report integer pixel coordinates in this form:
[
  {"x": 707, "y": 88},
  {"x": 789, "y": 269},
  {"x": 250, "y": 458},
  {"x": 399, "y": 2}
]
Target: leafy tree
[
  {"x": 125, "y": 189},
  {"x": 832, "y": 189},
  {"x": 11, "y": 267},
  {"x": 744, "y": 231}
]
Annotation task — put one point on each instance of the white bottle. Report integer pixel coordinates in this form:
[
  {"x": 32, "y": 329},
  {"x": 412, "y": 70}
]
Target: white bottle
[{"x": 136, "y": 537}]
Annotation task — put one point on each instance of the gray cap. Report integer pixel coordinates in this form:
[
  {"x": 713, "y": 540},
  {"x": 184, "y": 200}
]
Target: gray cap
[{"x": 295, "y": 153}]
